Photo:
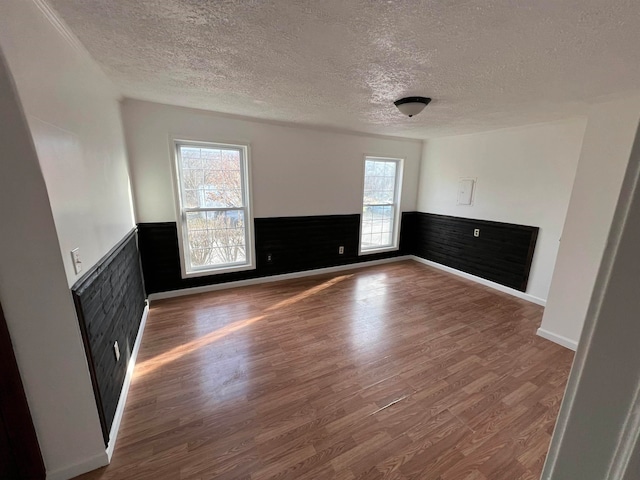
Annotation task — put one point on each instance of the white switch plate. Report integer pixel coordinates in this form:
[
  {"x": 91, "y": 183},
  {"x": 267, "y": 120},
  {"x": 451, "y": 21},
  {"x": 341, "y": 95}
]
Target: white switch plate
[
  {"x": 476, "y": 232},
  {"x": 116, "y": 349},
  {"x": 340, "y": 250},
  {"x": 75, "y": 259}
]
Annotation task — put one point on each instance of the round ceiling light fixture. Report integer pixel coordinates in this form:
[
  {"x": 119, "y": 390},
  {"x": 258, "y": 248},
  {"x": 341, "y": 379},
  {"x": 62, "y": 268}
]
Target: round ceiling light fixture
[{"x": 411, "y": 106}]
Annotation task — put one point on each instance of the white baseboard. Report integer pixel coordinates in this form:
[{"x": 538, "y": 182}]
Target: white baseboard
[
  {"x": 488, "y": 283},
  {"x": 72, "y": 471},
  {"x": 273, "y": 278},
  {"x": 559, "y": 339},
  {"x": 103, "y": 458},
  {"x": 115, "y": 426}
]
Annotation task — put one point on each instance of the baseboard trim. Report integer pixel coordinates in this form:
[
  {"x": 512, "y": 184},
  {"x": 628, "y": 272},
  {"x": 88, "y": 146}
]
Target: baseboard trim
[
  {"x": 273, "y": 278},
  {"x": 117, "y": 419},
  {"x": 488, "y": 283},
  {"x": 72, "y": 471},
  {"x": 103, "y": 458},
  {"x": 559, "y": 339}
]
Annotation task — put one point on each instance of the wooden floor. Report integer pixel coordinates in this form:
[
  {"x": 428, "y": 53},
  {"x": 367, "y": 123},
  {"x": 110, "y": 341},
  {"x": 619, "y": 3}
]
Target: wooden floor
[{"x": 397, "y": 371}]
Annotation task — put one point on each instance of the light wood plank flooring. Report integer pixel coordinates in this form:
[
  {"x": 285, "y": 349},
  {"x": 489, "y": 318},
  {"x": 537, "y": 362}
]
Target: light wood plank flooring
[{"x": 397, "y": 371}]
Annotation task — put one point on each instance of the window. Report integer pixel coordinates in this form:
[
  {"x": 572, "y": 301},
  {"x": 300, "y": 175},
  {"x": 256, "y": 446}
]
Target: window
[
  {"x": 380, "y": 205},
  {"x": 214, "y": 215}
]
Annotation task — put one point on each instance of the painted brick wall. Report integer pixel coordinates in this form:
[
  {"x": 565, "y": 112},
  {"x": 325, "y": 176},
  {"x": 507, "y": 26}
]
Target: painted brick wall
[{"x": 110, "y": 301}]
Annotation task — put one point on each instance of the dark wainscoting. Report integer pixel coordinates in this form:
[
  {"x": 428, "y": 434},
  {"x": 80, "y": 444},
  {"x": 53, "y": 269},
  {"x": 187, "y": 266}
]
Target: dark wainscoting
[
  {"x": 294, "y": 243},
  {"x": 502, "y": 253},
  {"x": 110, "y": 301}
]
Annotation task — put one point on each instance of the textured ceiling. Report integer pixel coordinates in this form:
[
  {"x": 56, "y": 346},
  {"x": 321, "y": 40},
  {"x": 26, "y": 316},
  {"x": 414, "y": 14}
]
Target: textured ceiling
[{"x": 487, "y": 63}]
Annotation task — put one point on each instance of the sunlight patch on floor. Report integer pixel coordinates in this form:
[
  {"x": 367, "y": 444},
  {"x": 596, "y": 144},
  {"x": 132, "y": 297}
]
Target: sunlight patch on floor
[{"x": 148, "y": 366}]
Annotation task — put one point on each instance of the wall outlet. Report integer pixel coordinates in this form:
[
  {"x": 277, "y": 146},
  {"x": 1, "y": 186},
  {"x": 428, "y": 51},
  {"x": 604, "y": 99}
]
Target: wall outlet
[
  {"x": 341, "y": 250},
  {"x": 75, "y": 259},
  {"x": 476, "y": 232},
  {"x": 116, "y": 350},
  {"x": 269, "y": 258}
]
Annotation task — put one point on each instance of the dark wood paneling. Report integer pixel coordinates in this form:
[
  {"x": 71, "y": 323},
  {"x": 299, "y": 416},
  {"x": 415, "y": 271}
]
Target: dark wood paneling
[
  {"x": 502, "y": 253},
  {"x": 305, "y": 243},
  {"x": 110, "y": 300},
  {"x": 294, "y": 243},
  {"x": 20, "y": 456}
]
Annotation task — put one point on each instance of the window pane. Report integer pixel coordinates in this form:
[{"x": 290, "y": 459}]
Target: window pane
[
  {"x": 191, "y": 157},
  {"x": 377, "y": 226},
  {"x": 192, "y": 187},
  {"x": 216, "y": 238},
  {"x": 389, "y": 183},
  {"x": 378, "y": 196},
  {"x": 211, "y": 177},
  {"x": 223, "y": 188},
  {"x": 379, "y": 182},
  {"x": 390, "y": 169}
]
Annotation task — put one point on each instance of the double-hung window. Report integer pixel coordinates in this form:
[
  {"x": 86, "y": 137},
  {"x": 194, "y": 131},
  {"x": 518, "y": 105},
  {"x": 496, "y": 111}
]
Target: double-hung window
[
  {"x": 380, "y": 204},
  {"x": 214, "y": 208}
]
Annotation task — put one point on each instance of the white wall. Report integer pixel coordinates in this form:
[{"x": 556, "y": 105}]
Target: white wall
[
  {"x": 605, "y": 154},
  {"x": 524, "y": 176},
  {"x": 295, "y": 171},
  {"x": 74, "y": 116},
  {"x": 37, "y": 304},
  {"x": 598, "y": 429},
  {"x": 70, "y": 189}
]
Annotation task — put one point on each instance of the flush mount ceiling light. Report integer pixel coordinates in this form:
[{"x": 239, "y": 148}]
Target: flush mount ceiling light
[{"x": 411, "y": 106}]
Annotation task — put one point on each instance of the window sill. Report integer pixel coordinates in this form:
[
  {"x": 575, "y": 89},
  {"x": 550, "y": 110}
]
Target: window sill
[
  {"x": 370, "y": 251},
  {"x": 218, "y": 271}
]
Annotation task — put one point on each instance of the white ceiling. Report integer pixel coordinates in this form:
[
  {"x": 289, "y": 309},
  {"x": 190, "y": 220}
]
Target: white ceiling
[{"x": 487, "y": 63}]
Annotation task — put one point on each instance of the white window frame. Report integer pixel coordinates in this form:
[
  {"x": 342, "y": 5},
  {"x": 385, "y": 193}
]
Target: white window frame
[
  {"x": 395, "y": 243},
  {"x": 183, "y": 242}
]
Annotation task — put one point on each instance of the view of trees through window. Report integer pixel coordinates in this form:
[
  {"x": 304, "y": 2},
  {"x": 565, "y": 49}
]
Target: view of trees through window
[
  {"x": 378, "y": 212},
  {"x": 213, "y": 205}
]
